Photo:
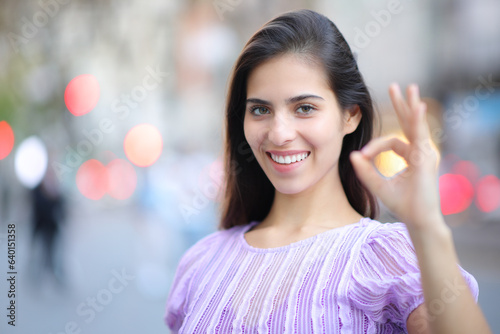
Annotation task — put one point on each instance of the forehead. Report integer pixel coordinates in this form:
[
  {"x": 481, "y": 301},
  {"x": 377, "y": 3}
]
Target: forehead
[{"x": 287, "y": 74}]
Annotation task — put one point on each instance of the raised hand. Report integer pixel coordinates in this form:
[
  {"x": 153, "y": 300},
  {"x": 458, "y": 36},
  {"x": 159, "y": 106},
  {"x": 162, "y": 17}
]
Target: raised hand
[{"x": 413, "y": 193}]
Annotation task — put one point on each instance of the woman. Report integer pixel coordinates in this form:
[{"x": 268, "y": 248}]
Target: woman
[{"x": 298, "y": 250}]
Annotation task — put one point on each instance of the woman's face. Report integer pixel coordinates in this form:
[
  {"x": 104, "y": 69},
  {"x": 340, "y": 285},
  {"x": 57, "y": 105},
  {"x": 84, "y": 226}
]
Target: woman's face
[{"x": 294, "y": 124}]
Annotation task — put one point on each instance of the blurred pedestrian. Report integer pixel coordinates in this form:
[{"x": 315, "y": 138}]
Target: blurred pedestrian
[{"x": 48, "y": 216}]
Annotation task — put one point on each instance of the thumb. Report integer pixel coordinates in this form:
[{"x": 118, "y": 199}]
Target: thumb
[{"x": 366, "y": 172}]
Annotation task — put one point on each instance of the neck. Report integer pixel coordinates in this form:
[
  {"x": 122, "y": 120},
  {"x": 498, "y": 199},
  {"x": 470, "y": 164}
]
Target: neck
[{"x": 324, "y": 204}]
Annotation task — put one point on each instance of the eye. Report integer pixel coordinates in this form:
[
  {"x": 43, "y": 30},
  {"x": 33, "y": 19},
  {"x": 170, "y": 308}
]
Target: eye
[
  {"x": 305, "y": 109},
  {"x": 259, "y": 110}
]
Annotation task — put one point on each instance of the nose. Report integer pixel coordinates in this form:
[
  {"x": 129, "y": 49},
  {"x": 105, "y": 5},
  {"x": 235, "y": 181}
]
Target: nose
[{"x": 281, "y": 130}]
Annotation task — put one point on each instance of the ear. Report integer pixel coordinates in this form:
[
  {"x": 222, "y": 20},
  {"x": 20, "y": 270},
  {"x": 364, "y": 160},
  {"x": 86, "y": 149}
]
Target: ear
[{"x": 352, "y": 117}]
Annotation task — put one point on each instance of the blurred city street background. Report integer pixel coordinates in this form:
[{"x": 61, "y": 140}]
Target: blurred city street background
[{"x": 111, "y": 122}]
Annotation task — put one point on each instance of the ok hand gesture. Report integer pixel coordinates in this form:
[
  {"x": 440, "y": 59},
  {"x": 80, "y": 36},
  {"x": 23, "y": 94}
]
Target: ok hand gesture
[{"x": 413, "y": 193}]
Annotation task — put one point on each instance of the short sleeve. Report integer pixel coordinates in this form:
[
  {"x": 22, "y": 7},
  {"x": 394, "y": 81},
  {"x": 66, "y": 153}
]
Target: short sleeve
[
  {"x": 177, "y": 300},
  {"x": 386, "y": 282}
]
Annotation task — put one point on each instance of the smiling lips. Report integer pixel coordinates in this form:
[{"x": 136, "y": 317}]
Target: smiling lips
[{"x": 288, "y": 157}]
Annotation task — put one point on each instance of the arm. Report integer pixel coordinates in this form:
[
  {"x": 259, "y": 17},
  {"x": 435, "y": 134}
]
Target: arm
[
  {"x": 449, "y": 304},
  {"x": 413, "y": 196}
]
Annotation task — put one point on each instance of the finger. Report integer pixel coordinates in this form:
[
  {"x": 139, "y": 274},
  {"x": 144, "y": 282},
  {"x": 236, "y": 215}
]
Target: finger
[
  {"x": 423, "y": 131},
  {"x": 402, "y": 109},
  {"x": 400, "y": 105},
  {"x": 413, "y": 122},
  {"x": 366, "y": 172},
  {"x": 382, "y": 144},
  {"x": 413, "y": 94},
  {"x": 419, "y": 121}
]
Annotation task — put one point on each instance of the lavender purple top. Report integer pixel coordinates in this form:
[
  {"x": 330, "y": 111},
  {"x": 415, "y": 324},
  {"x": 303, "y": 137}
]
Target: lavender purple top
[{"x": 359, "y": 278}]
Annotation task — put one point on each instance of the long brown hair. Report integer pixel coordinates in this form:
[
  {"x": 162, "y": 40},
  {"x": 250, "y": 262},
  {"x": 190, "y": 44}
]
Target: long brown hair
[{"x": 248, "y": 193}]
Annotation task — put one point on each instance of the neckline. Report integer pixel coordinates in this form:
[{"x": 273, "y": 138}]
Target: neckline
[{"x": 305, "y": 241}]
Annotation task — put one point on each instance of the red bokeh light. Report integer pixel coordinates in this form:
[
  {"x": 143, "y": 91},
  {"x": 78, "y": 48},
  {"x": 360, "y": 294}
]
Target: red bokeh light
[
  {"x": 488, "y": 193},
  {"x": 6, "y": 139},
  {"x": 118, "y": 178},
  {"x": 82, "y": 94},
  {"x": 92, "y": 179},
  {"x": 122, "y": 179},
  {"x": 467, "y": 169},
  {"x": 143, "y": 145},
  {"x": 456, "y": 193}
]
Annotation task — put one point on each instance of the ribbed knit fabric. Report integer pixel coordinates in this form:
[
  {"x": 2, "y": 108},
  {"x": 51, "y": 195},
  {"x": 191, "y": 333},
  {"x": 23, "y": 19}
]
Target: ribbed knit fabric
[{"x": 359, "y": 278}]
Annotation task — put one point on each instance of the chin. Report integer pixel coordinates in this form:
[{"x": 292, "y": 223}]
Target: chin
[{"x": 286, "y": 188}]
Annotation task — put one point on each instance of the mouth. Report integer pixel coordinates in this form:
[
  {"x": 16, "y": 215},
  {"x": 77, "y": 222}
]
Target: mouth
[{"x": 287, "y": 159}]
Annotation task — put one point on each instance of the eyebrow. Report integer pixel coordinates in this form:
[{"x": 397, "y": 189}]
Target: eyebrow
[{"x": 291, "y": 100}]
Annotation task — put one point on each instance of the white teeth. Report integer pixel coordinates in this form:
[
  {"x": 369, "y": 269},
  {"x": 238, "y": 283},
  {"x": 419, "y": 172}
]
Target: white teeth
[{"x": 286, "y": 160}]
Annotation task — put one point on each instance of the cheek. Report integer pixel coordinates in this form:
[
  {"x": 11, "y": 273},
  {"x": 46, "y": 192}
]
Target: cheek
[
  {"x": 253, "y": 133},
  {"x": 247, "y": 129},
  {"x": 250, "y": 138},
  {"x": 324, "y": 134}
]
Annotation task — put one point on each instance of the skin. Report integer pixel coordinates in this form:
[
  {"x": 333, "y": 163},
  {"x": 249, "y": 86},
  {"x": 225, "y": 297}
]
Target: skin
[
  {"x": 420, "y": 210},
  {"x": 311, "y": 199}
]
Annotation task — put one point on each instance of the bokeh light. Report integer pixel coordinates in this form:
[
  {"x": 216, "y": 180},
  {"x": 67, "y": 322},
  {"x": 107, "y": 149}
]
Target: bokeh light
[
  {"x": 143, "y": 145},
  {"x": 389, "y": 163},
  {"x": 488, "y": 193},
  {"x": 82, "y": 94},
  {"x": 467, "y": 169},
  {"x": 456, "y": 193},
  {"x": 6, "y": 139},
  {"x": 31, "y": 162},
  {"x": 122, "y": 179},
  {"x": 92, "y": 179}
]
